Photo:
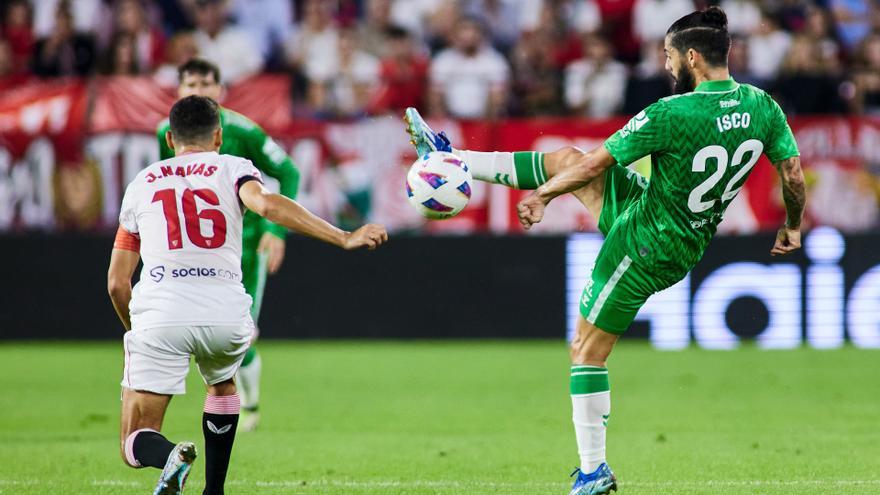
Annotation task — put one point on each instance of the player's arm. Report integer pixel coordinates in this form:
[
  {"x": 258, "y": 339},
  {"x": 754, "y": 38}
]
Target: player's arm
[
  {"x": 287, "y": 212},
  {"x": 587, "y": 167},
  {"x": 783, "y": 153},
  {"x": 123, "y": 262},
  {"x": 794, "y": 193}
]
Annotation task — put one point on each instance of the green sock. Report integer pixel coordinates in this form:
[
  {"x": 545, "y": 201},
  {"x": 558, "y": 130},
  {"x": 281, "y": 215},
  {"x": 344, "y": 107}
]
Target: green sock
[
  {"x": 591, "y": 408},
  {"x": 529, "y": 167},
  {"x": 520, "y": 170}
]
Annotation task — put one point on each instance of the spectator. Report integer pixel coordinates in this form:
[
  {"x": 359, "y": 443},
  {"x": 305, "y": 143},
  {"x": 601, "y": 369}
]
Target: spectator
[
  {"x": 536, "y": 78},
  {"x": 313, "y": 48},
  {"x": 565, "y": 43},
  {"x": 181, "y": 47},
  {"x": 743, "y": 16},
  {"x": 468, "y": 80},
  {"x": 349, "y": 85},
  {"x": 738, "y": 64},
  {"x": 231, "y": 48},
  {"x": 594, "y": 85},
  {"x": 64, "y": 52},
  {"x": 867, "y": 76},
  {"x": 85, "y": 15},
  {"x": 268, "y": 22},
  {"x": 9, "y": 78},
  {"x": 373, "y": 32},
  {"x": 767, "y": 47},
  {"x": 651, "y": 19},
  {"x": 149, "y": 42},
  {"x": 853, "y": 20},
  {"x": 648, "y": 83},
  {"x": 819, "y": 27},
  {"x": 403, "y": 75},
  {"x": 792, "y": 14},
  {"x": 412, "y": 15},
  {"x": 440, "y": 26},
  {"x": 806, "y": 85},
  {"x": 501, "y": 17},
  {"x": 581, "y": 16},
  {"x": 18, "y": 34},
  {"x": 121, "y": 57},
  {"x": 617, "y": 26}
]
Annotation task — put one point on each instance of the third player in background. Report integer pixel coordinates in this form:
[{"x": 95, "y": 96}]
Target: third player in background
[{"x": 262, "y": 241}]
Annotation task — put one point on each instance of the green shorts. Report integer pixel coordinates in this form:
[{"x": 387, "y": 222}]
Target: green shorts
[{"x": 618, "y": 287}]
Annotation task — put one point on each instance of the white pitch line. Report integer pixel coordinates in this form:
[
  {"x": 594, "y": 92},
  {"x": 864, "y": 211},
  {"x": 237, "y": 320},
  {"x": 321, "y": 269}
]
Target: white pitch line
[{"x": 472, "y": 484}]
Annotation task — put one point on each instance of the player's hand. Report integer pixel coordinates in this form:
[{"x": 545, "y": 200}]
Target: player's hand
[
  {"x": 369, "y": 236},
  {"x": 787, "y": 240},
  {"x": 530, "y": 210},
  {"x": 273, "y": 247}
]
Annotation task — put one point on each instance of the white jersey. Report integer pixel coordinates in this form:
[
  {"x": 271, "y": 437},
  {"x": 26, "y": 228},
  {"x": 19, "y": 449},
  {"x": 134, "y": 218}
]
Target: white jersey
[{"x": 188, "y": 215}]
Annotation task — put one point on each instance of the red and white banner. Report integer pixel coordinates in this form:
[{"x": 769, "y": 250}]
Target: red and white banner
[{"x": 61, "y": 168}]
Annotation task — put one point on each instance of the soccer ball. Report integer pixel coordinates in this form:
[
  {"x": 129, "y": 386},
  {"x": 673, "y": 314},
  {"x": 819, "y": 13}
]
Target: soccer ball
[{"x": 438, "y": 185}]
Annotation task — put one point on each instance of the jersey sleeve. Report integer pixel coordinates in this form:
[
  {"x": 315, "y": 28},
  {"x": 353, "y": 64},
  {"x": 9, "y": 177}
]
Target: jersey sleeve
[
  {"x": 243, "y": 171},
  {"x": 128, "y": 211},
  {"x": 781, "y": 143},
  {"x": 645, "y": 134},
  {"x": 164, "y": 151},
  {"x": 270, "y": 159}
]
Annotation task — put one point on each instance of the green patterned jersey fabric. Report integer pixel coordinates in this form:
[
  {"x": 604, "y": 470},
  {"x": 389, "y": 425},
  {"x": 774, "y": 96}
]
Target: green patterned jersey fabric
[
  {"x": 703, "y": 145},
  {"x": 243, "y": 137}
]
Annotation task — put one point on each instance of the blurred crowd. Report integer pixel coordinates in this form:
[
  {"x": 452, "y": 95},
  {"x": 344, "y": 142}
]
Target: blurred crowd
[{"x": 458, "y": 58}]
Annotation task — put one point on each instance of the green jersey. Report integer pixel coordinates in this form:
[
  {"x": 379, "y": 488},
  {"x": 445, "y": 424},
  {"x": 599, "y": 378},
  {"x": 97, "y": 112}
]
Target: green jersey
[
  {"x": 244, "y": 138},
  {"x": 703, "y": 145}
]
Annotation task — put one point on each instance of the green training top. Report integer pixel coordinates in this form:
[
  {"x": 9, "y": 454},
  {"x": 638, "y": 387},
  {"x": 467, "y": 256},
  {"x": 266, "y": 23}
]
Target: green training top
[
  {"x": 703, "y": 146},
  {"x": 244, "y": 138}
]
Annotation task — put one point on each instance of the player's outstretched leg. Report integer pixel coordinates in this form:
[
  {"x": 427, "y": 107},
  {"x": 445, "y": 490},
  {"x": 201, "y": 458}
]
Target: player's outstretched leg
[
  {"x": 591, "y": 407},
  {"x": 519, "y": 170},
  {"x": 219, "y": 422},
  {"x": 248, "y": 380}
]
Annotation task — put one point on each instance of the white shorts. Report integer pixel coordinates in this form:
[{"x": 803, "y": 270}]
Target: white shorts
[{"x": 157, "y": 359}]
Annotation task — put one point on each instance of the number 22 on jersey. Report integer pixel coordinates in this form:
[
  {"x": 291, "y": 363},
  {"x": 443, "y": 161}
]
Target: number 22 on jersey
[
  {"x": 192, "y": 217},
  {"x": 697, "y": 203}
]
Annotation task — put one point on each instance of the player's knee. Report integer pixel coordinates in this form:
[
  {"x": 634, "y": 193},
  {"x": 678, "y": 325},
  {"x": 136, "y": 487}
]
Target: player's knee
[
  {"x": 589, "y": 351},
  {"x": 223, "y": 388},
  {"x": 561, "y": 159}
]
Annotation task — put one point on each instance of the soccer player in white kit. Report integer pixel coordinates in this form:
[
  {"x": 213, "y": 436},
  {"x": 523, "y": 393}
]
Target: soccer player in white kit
[{"x": 183, "y": 216}]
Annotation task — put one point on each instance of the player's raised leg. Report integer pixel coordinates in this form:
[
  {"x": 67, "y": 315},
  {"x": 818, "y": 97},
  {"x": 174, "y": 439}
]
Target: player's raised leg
[
  {"x": 144, "y": 446},
  {"x": 519, "y": 169}
]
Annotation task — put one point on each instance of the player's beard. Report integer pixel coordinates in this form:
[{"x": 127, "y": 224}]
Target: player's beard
[{"x": 685, "y": 82}]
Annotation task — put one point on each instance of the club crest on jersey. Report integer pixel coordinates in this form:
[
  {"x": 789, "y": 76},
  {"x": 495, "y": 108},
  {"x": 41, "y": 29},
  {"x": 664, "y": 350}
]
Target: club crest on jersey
[{"x": 635, "y": 124}]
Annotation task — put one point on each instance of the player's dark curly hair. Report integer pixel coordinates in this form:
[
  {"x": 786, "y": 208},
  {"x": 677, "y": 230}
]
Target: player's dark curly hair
[
  {"x": 706, "y": 32},
  {"x": 198, "y": 66},
  {"x": 193, "y": 119}
]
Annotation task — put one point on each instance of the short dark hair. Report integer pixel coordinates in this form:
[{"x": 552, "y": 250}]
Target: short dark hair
[
  {"x": 706, "y": 32},
  {"x": 193, "y": 119},
  {"x": 198, "y": 66}
]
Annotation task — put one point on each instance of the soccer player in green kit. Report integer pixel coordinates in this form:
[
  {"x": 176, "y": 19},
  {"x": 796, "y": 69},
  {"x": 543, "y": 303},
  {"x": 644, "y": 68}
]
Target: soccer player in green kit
[
  {"x": 262, "y": 241},
  {"x": 703, "y": 143}
]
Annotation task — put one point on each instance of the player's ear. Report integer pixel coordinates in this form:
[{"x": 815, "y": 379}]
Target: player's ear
[
  {"x": 692, "y": 58},
  {"x": 218, "y": 137},
  {"x": 168, "y": 140}
]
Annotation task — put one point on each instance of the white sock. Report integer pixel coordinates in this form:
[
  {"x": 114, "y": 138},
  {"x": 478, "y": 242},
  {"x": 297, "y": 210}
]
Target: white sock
[
  {"x": 590, "y": 416},
  {"x": 520, "y": 170},
  {"x": 248, "y": 381}
]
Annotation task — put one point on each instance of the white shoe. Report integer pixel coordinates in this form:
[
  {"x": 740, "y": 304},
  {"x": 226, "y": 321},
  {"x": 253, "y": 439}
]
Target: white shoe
[{"x": 249, "y": 420}]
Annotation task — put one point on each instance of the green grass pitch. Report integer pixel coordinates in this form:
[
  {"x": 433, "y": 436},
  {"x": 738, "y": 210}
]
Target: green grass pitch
[{"x": 464, "y": 418}]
